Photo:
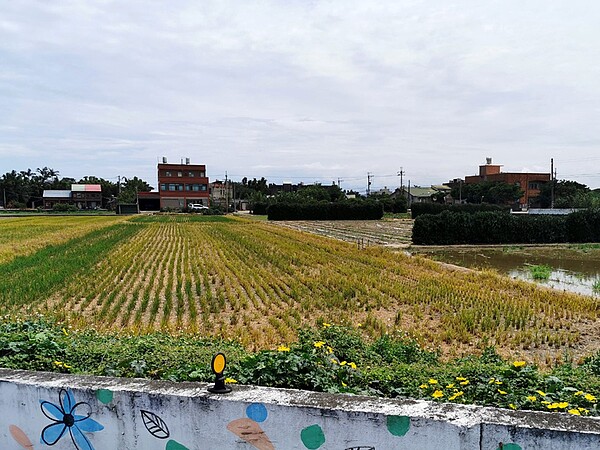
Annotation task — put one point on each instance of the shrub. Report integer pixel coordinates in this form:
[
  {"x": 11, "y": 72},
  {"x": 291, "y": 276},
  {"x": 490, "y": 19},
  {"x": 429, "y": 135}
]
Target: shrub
[
  {"x": 450, "y": 228},
  {"x": 418, "y": 209},
  {"x": 365, "y": 210}
]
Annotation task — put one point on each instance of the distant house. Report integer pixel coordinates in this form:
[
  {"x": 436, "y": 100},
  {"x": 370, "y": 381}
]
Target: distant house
[
  {"x": 182, "y": 184},
  {"x": 221, "y": 193},
  {"x": 529, "y": 182},
  {"x": 86, "y": 196},
  {"x": 83, "y": 196},
  {"x": 418, "y": 194},
  {"x": 54, "y": 196}
]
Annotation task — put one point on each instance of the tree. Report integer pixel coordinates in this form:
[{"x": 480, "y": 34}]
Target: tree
[
  {"x": 130, "y": 189},
  {"x": 567, "y": 194},
  {"x": 494, "y": 192}
]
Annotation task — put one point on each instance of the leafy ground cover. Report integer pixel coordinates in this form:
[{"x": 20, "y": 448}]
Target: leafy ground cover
[{"x": 327, "y": 358}]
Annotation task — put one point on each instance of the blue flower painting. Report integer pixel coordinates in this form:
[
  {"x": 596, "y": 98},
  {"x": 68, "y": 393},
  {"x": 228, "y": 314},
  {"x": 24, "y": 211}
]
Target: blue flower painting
[{"x": 65, "y": 418}]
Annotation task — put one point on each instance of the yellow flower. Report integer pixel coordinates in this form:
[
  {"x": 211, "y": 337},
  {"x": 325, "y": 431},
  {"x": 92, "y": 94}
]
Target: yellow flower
[
  {"x": 65, "y": 332},
  {"x": 492, "y": 380},
  {"x": 450, "y": 386},
  {"x": 575, "y": 412},
  {"x": 542, "y": 393},
  {"x": 283, "y": 348},
  {"x": 319, "y": 344},
  {"x": 424, "y": 386},
  {"x": 343, "y": 363},
  {"x": 461, "y": 379},
  {"x": 498, "y": 382},
  {"x": 464, "y": 383},
  {"x": 519, "y": 363},
  {"x": 359, "y": 325},
  {"x": 531, "y": 398},
  {"x": 437, "y": 394},
  {"x": 230, "y": 380},
  {"x": 578, "y": 393},
  {"x": 456, "y": 395},
  {"x": 329, "y": 350},
  {"x": 552, "y": 406},
  {"x": 344, "y": 384},
  {"x": 583, "y": 410},
  {"x": 433, "y": 381},
  {"x": 563, "y": 405},
  {"x": 512, "y": 406},
  {"x": 545, "y": 402},
  {"x": 353, "y": 365},
  {"x": 326, "y": 325},
  {"x": 500, "y": 391},
  {"x": 333, "y": 361},
  {"x": 589, "y": 397}
]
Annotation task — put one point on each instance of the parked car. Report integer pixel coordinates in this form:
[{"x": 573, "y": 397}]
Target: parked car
[{"x": 197, "y": 207}]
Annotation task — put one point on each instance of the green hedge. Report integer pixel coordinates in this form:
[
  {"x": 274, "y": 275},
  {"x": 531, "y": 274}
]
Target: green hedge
[
  {"x": 325, "y": 211},
  {"x": 418, "y": 209},
  {"x": 450, "y": 228}
]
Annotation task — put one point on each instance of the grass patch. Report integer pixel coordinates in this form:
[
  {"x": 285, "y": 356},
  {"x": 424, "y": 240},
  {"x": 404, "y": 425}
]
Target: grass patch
[{"x": 540, "y": 272}]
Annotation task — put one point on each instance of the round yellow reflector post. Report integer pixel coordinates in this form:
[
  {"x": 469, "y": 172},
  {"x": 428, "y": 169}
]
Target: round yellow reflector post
[{"x": 218, "y": 363}]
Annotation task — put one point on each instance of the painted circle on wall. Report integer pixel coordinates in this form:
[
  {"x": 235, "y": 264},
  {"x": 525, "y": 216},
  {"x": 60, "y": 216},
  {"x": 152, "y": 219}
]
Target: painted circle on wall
[{"x": 257, "y": 412}]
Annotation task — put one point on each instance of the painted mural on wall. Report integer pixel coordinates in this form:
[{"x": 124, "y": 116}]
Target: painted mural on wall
[{"x": 70, "y": 423}]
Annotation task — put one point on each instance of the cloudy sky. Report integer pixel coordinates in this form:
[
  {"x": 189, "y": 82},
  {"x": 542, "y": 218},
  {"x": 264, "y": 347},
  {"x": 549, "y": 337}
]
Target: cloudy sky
[{"x": 301, "y": 90}]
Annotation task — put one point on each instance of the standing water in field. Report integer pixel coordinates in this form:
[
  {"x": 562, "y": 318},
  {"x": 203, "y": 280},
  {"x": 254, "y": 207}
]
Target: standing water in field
[{"x": 573, "y": 268}]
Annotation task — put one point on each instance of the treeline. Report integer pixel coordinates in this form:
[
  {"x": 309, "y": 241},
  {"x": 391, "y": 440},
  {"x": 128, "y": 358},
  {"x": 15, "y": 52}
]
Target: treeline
[
  {"x": 25, "y": 188},
  {"x": 450, "y": 228},
  {"x": 316, "y": 202}
]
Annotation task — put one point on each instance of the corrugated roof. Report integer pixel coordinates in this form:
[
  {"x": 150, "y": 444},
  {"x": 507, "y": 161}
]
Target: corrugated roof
[
  {"x": 56, "y": 193},
  {"x": 86, "y": 188},
  {"x": 422, "y": 192}
]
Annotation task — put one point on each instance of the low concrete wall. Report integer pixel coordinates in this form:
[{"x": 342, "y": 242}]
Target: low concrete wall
[{"x": 67, "y": 412}]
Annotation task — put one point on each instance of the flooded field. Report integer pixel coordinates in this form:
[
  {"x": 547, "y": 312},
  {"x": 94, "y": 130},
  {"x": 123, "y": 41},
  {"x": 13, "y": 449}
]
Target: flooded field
[{"x": 574, "y": 268}]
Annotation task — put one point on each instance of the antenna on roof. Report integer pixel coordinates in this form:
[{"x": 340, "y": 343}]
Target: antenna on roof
[
  {"x": 164, "y": 159},
  {"x": 488, "y": 160}
]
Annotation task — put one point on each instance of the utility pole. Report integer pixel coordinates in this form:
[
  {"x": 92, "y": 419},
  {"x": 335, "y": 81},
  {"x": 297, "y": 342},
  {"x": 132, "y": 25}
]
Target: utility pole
[
  {"x": 552, "y": 183},
  {"x": 226, "y": 195},
  {"x": 4, "y": 204},
  {"x": 340, "y": 183},
  {"x": 369, "y": 178},
  {"x": 401, "y": 174}
]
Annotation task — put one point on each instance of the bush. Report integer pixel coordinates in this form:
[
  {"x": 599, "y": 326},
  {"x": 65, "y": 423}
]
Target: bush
[
  {"x": 259, "y": 208},
  {"x": 64, "y": 207},
  {"x": 450, "y": 228},
  {"x": 326, "y": 211},
  {"x": 583, "y": 226},
  {"x": 418, "y": 209}
]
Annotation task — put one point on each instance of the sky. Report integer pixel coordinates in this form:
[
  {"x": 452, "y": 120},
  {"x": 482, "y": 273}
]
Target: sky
[{"x": 301, "y": 90}]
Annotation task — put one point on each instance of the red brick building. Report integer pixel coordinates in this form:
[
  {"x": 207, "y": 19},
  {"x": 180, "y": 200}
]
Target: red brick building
[
  {"x": 182, "y": 184},
  {"x": 530, "y": 183}
]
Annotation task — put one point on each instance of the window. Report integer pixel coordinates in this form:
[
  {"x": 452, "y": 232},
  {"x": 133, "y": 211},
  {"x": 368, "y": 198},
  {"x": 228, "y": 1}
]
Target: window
[
  {"x": 168, "y": 173},
  {"x": 202, "y": 175},
  {"x": 191, "y": 174},
  {"x": 534, "y": 185},
  {"x": 179, "y": 174},
  {"x": 195, "y": 187},
  {"x": 163, "y": 187}
]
